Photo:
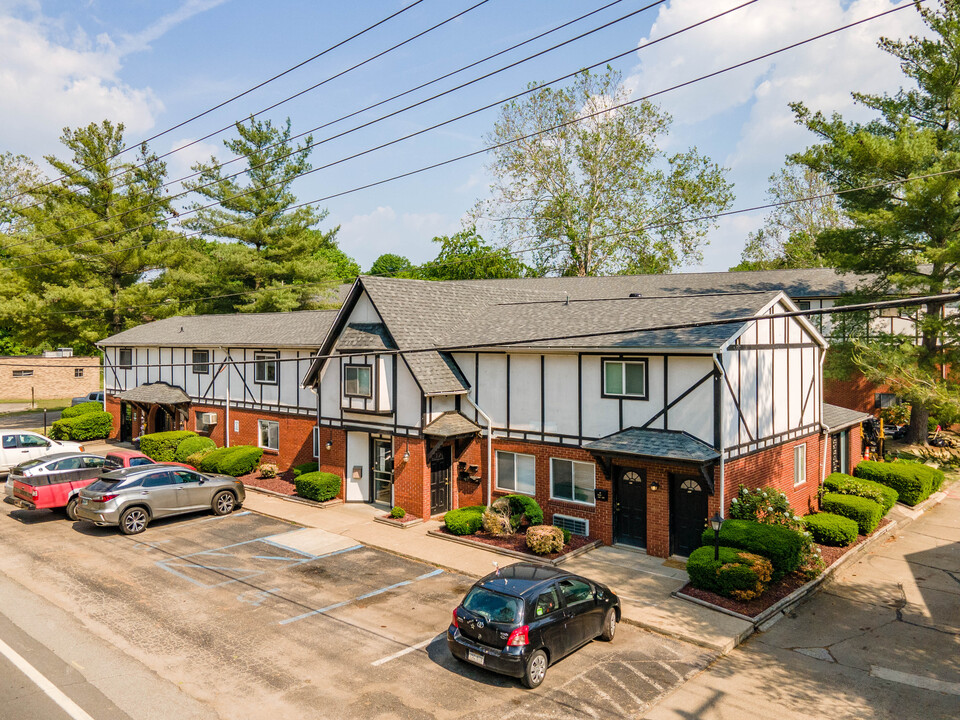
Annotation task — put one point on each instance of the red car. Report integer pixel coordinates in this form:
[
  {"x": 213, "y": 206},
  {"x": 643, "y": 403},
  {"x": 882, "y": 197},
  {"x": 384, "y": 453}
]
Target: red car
[{"x": 134, "y": 458}]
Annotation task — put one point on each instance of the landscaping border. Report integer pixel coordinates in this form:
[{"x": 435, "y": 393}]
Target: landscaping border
[
  {"x": 463, "y": 540},
  {"x": 398, "y": 523},
  {"x": 294, "y": 498}
]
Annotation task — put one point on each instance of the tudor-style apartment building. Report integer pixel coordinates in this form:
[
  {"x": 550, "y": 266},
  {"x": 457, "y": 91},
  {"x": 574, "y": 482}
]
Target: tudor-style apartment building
[{"x": 631, "y": 408}]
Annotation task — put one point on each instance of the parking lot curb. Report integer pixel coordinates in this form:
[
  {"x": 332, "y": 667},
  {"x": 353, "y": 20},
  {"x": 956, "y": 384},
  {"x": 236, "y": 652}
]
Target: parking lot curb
[
  {"x": 294, "y": 498},
  {"x": 513, "y": 553}
]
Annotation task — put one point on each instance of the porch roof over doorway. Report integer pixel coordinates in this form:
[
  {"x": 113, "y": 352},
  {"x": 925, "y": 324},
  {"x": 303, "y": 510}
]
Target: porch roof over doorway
[
  {"x": 672, "y": 445},
  {"x": 451, "y": 424},
  {"x": 156, "y": 394}
]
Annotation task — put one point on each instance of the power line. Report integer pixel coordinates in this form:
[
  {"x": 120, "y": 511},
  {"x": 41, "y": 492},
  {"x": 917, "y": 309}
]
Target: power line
[
  {"x": 417, "y": 133},
  {"x": 235, "y": 97},
  {"x": 313, "y": 144},
  {"x": 513, "y": 141}
]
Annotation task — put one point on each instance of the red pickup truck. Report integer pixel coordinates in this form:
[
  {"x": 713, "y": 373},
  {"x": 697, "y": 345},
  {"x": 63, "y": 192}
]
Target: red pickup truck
[{"x": 55, "y": 481}]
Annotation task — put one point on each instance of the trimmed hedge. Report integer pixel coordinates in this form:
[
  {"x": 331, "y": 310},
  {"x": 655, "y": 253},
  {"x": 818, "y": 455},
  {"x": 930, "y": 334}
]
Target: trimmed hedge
[
  {"x": 830, "y": 529},
  {"x": 737, "y": 574},
  {"x": 524, "y": 505},
  {"x": 81, "y": 409},
  {"x": 192, "y": 445},
  {"x": 87, "y": 426},
  {"x": 308, "y": 467},
  {"x": 545, "y": 539},
  {"x": 319, "y": 486},
  {"x": 849, "y": 485},
  {"x": 465, "y": 520},
  {"x": 866, "y": 513},
  {"x": 237, "y": 460},
  {"x": 913, "y": 482},
  {"x": 782, "y": 545},
  {"x": 162, "y": 446}
]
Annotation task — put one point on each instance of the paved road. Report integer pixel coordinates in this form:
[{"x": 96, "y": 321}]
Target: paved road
[
  {"x": 28, "y": 419},
  {"x": 881, "y": 641},
  {"x": 253, "y": 617}
]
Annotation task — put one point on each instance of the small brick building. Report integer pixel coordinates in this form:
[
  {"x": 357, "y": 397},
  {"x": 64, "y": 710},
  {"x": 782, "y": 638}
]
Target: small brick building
[{"x": 55, "y": 375}]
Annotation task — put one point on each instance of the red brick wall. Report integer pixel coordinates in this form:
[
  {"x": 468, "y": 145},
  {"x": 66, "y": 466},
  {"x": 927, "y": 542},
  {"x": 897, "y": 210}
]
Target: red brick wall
[
  {"x": 333, "y": 460},
  {"x": 856, "y": 393}
]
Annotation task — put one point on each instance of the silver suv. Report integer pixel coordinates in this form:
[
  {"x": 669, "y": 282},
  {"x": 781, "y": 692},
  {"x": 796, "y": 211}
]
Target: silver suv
[{"x": 132, "y": 497}]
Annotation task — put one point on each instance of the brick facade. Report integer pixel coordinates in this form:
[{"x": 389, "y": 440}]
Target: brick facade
[
  {"x": 856, "y": 393},
  {"x": 49, "y": 378}
]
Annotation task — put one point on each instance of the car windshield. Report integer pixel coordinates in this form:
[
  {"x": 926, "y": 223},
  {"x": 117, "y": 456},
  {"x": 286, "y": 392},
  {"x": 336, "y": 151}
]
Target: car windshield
[{"x": 492, "y": 606}]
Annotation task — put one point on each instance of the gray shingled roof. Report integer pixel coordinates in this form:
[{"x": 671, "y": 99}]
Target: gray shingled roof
[
  {"x": 664, "y": 444},
  {"x": 156, "y": 393},
  {"x": 436, "y": 373},
  {"x": 451, "y": 424},
  {"x": 361, "y": 337},
  {"x": 838, "y": 418},
  {"x": 305, "y": 328}
]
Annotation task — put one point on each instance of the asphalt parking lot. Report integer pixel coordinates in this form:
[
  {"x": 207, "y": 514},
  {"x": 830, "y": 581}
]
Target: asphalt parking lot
[{"x": 254, "y": 617}]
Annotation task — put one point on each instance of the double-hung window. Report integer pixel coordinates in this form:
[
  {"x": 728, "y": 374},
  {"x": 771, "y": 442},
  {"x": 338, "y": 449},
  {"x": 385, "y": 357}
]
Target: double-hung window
[
  {"x": 799, "y": 464},
  {"x": 269, "y": 434},
  {"x": 572, "y": 480},
  {"x": 516, "y": 472},
  {"x": 125, "y": 359},
  {"x": 265, "y": 370},
  {"x": 358, "y": 381},
  {"x": 625, "y": 378},
  {"x": 201, "y": 362}
]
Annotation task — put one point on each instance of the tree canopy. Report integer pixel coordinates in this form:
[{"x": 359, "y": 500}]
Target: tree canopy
[{"x": 465, "y": 256}]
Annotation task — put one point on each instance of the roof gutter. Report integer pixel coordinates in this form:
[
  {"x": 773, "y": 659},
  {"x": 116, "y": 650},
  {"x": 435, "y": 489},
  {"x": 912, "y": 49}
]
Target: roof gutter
[{"x": 489, "y": 422}]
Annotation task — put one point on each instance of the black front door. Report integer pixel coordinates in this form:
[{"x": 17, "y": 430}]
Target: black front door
[
  {"x": 630, "y": 519},
  {"x": 688, "y": 514},
  {"x": 126, "y": 422},
  {"x": 440, "y": 481}
]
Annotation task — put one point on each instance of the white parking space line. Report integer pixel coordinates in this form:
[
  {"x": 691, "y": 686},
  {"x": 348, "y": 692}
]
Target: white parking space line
[
  {"x": 917, "y": 681},
  {"x": 52, "y": 691},
  {"x": 401, "y": 653}
]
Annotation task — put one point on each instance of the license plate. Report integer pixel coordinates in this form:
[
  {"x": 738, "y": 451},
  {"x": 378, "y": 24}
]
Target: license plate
[{"x": 474, "y": 657}]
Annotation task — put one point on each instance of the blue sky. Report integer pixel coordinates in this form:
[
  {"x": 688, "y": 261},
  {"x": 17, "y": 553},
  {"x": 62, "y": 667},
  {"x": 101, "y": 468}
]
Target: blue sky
[{"x": 153, "y": 64}]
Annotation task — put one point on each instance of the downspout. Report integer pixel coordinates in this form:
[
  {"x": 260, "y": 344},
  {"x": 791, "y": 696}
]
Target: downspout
[
  {"x": 489, "y": 422},
  {"x": 825, "y": 429},
  {"x": 226, "y": 430},
  {"x": 723, "y": 483}
]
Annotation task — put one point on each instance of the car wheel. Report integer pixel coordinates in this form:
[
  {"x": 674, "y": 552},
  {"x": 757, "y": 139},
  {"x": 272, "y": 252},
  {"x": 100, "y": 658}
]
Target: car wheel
[
  {"x": 71, "y": 509},
  {"x": 536, "y": 669},
  {"x": 223, "y": 503},
  {"x": 609, "y": 625},
  {"x": 133, "y": 520}
]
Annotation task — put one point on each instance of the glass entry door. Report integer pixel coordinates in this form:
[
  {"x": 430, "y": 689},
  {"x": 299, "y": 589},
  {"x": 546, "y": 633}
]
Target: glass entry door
[{"x": 382, "y": 470}]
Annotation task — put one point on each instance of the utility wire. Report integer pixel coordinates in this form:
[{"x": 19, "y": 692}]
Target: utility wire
[
  {"x": 312, "y": 144},
  {"x": 506, "y": 143},
  {"x": 229, "y": 100},
  {"x": 407, "y": 137}
]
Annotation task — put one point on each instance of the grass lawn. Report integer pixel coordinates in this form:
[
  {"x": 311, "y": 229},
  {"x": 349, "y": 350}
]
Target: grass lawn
[{"x": 54, "y": 404}]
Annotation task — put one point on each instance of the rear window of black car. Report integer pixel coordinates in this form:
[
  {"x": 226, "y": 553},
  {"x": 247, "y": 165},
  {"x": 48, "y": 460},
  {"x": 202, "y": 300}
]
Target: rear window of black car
[{"x": 492, "y": 606}]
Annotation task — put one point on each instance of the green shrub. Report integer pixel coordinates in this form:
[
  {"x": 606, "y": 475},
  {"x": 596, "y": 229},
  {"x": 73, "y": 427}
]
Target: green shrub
[
  {"x": 465, "y": 520},
  {"x": 162, "y": 446},
  {"x": 197, "y": 457},
  {"x": 566, "y": 535},
  {"x": 236, "y": 461},
  {"x": 189, "y": 446},
  {"x": 87, "y": 426},
  {"x": 849, "y": 485},
  {"x": 544, "y": 539},
  {"x": 784, "y": 547},
  {"x": 738, "y": 574},
  {"x": 866, "y": 513},
  {"x": 81, "y": 409},
  {"x": 398, "y": 513},
  {"x": 309, "y": 467},
  {"x": 913, "y": 482},
  {"x": 319, "y": 486},
  {"x": 525, "y": 505},
  {"x": 830, "y": 529},
  {"x": 764, "y": 505}
]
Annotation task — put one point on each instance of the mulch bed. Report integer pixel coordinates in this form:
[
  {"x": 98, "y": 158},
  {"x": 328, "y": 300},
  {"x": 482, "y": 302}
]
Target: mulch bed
[
  {"x": 778, "y": 590},
  {"x": 282, "y": 483},
  {"x": 408, "y": 518},
  {"x": 518, "y": 543}
]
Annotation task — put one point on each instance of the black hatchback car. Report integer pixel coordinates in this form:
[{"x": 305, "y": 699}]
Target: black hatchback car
[{"x": 521, "y": 619}]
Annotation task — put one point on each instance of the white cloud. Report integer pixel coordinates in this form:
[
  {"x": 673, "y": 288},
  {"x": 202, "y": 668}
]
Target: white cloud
[{"x": 384, "y": 230}]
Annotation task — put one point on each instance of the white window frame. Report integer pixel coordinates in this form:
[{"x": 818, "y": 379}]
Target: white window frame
[
  {"x": 623, "y": 378},
  {"x": 260, "y": 361},
  {"x": 200, "y": 367},
  {"x": 554, "y": 496},
  {"x": 357, "y": 394},
  {"x": 515, "y": 489},
  {"x": 22, "y": 373},
  {"x": 120, "y": 363},
  {"x": 268, "y": 423},
  {"x": 585, "y": 521},
  {"x": 77, "y": 373},
  {"x": 316, "y": 441},
  {"x": 799, "y": 464}
]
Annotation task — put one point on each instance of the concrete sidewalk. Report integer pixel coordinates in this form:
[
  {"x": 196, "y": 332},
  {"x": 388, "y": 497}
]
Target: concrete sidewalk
[{"x": 644, "y": 583}]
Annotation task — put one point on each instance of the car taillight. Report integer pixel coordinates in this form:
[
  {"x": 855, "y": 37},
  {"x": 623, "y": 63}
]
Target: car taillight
[
  {"x": 106, "y": 498},
  {"x": 34, "y": 492},
  {"x": 519, "y": 637},
  {"x": 455, "y": 623}
]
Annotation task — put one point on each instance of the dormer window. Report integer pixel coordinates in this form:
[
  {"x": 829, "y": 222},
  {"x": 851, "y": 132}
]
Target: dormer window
[{"x": 358, "y": 381}]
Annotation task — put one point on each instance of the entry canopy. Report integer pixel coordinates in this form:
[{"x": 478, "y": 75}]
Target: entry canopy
[
  {"x": 451, "y": 424},
  {"x": 672, "y": 445},
  {"x": 156, "y": 394}
]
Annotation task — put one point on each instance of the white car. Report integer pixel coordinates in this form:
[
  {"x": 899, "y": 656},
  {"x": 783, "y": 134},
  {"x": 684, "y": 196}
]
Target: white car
[{"x": 17, "y": 446}]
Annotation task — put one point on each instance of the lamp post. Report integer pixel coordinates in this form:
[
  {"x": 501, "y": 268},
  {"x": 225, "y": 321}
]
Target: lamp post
[{"x": 716, "y": 522}]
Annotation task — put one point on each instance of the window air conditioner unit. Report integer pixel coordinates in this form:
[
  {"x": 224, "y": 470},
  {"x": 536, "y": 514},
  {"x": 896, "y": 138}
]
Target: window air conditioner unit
[{"x": 208, "y": 418}]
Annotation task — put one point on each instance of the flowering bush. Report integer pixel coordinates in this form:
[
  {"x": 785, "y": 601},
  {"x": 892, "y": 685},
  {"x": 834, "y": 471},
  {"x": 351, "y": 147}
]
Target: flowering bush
[
  {"x": 268, "y": 470},
  {"x": 764, "y": 505}
]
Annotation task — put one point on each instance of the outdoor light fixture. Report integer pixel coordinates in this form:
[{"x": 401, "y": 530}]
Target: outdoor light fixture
[
  {"x": 716, "y": 522},
  {"x": 654, "y": 486},
  {"x": 329, "y": 444},
  {"x": 406, "y": 452}
]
